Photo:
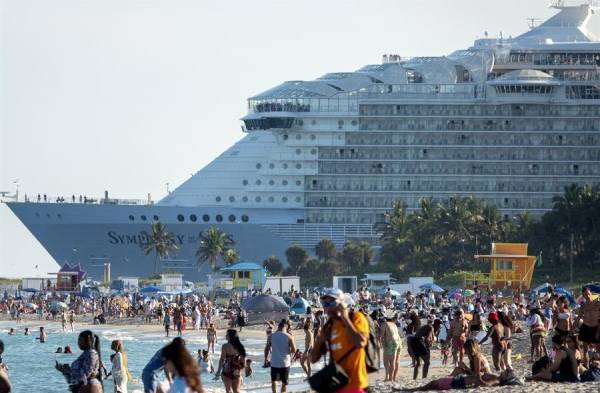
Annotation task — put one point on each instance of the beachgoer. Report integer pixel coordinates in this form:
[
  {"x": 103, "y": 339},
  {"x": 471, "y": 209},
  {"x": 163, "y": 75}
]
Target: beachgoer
[
  {"x": 205, "y": 362},
  {"x": 563, "y": 368},
  {"x": 282, "y": 347},
  {"x": 84, "y": 373},
  {"x": 309, "y": 342},
  {"x": 232, "y": 361},
  {"x": 392, "y": 345},
  {"x": 420, "y": 345},
  {"x": 119, "y": 371},
  {"x": 5, "y": 386},
  {"x": 443, "y": 339},
  {"x": 459, "y": 327},
  {"x": 211, "y": 337},
  {"x": 589, "y": 331},
  {"x": 151, "y": 372},
  {"x": 67, "y": 350},
  {"x": 11, "y": 332},
  {"x": 562, "y": 322},
  {"x": 496, "y": 333},
  {"x": 509, "y": 328},
  {"x": 167, "y": 322},
  {"x": 180, "y": 364},
  {"x": 478, "y": 364},
  {"x": 267, "y": 350},
  {"x": 346, "y": 334},
  {"x": 537, "y": 333},
  {"x": 248, "y": 368},
  {"x": 26, "y": 332},
  {"x": 59, "y": 350},
  {"x": 43, "y": 336}
]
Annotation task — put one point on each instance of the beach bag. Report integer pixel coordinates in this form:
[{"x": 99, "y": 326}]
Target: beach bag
[{"x": 330, "y": 378}]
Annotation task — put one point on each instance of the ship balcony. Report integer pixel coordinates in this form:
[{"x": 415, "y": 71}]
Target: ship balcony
[{"x": 273, "y": 120}]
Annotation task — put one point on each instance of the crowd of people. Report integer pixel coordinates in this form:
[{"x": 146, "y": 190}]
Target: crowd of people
[{"x": 347, "y": 335}]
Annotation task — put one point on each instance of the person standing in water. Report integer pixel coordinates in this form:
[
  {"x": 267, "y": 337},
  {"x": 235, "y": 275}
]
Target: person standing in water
[
  {"x": 211, "y": 337},
  {"x": 5, "y": 386},
  {"x": 43, "y": 336},
  {"x": 232, "y": 362},
  {"x": 282, "y": 348},
  {"x": 84, "y": 373},
  {"x": 180, "y": 364},
  {"x": 119, "y": 371}
]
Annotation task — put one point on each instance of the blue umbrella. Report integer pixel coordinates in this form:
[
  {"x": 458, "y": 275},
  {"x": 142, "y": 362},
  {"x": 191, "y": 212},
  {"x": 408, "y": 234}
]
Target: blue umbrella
[
  {"x": 561, "y": 291},
  {"x": 150, "y": 289},
  {"x": 431, "y": 286},
  {"x": 542, "y": 288}
]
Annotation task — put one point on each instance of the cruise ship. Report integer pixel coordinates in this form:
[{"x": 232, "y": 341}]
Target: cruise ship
[{"x": 508, "y": 120}]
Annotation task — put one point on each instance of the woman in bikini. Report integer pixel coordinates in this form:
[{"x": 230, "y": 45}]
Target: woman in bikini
[
  {"x": 509, "y": 327},
  {"x": 211, "y": 337},
  {"x": 537, "y": 324},
  {"x": 392, "y": 345},
  {"x": 561, "y": 319},
  {"x": 478, "y": 369},
  {"x": 232, "y": 362},
  {"x": 563, "y": 368},
  {"x": 496, "y": 333}
]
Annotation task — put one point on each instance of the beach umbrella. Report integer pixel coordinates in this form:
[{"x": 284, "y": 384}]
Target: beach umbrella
[
  {"x": 392, "y": 292},
  {"x": 542, "y": 288},
  {"x": 265, "y": 304},
  {"x": 150, "y": 289},
  {"x": 468, "y": 292},
  {"x": 57, "y": 306},
  {"x": 431, "y": 286},
  {"x": 561, "y": 291}
]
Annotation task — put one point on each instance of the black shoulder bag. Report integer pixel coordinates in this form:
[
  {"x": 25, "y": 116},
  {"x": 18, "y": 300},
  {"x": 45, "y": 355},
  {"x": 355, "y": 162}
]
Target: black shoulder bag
[{"x": 332, "y": 377}]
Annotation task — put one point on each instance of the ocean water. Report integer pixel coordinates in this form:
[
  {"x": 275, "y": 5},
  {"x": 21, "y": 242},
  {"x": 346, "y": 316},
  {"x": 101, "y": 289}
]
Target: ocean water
[{"x": 31, "y": 364}]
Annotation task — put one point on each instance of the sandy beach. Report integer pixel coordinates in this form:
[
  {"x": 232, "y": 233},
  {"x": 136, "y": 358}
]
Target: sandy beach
[{"x": 520, "y": 357}]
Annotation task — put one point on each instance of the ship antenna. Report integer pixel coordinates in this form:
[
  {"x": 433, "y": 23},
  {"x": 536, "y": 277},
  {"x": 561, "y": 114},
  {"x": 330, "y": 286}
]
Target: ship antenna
[{"x": 167, "y": 184}]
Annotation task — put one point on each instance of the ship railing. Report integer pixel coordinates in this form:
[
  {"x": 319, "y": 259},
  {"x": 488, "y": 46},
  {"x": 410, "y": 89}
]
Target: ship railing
[
  {"x": 83, "y": 200},
  {"x": 468, "y": 91}
]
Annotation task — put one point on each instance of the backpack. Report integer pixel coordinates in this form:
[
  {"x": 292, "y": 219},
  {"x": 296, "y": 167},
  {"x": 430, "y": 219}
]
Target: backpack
[{"x": 372, "y": 353}]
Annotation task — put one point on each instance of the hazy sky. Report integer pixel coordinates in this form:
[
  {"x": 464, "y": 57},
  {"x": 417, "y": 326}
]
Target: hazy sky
[{"x": 126, "y": 95}]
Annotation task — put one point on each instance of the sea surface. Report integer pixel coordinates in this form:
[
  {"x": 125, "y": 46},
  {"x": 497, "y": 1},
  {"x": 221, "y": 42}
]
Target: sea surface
[{"x": 31, "y": 364}]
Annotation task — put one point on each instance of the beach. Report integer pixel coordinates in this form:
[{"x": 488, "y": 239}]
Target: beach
[{"x": 31, "y": 364}]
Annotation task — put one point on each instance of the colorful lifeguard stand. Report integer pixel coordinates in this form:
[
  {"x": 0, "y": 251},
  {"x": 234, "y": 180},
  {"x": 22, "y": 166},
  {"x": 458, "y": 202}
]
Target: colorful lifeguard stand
[
  {"x": 69, "y": 278},
  {"x": 246, "y": 275},
  {"x": 510, "y": 266}
]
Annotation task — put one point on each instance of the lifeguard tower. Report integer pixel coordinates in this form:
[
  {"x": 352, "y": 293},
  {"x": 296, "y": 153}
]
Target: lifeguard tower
[
  {"x": 510, "y": 266},
  {"x": 246, "y": 275},
  {"x": 69, "y": 278}
]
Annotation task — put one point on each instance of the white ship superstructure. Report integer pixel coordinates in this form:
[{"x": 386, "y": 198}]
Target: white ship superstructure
[{"x": 509, "y": 120}]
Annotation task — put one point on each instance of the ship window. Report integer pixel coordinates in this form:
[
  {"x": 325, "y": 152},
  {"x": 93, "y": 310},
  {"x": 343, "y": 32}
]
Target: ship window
[
  {"x": 258, "y": 166},
  {"x": 193, "y": 218},
  {"x": 245, "y": 182},
  {"x": 298, "y": 151},
  {"x": 231, "y": 218},
  {"x": 285, "y": 182},
  {"x": 300, "y": 122},
  {"x": 272, "y": 166},
  {"x": 313, "y": 151},
  {"x": 218, "y": 199},
  {"x": 232, "y": 199},
  {"x": 37, "y": 215},
  {"x": 298, "y": 182},
  {"x": 155, "y": 218},
  {"x": 271, "y": 199},
  {"x": 245, "y": 218},
  {"x": 219, "y": 218},
  {"x": 245, "y": 199},
  {"x": 258, "y": 182},
  {"x": 258, "y": 199},
  {"x": 131, "y": 218},
  {"x": 180, "y": 217},
  {"x": 206, "y": 218},
  {"x": 285, "y": 166},
  {"x": 354, "y": 122},
  {"x": 313, "y": 122},
  {"x": 285, "y": 137},
  {"x": 271, "y": 182},
  {"x": 143, "y": 217},
  {"x": 284, "y": 199},
  {"x": 48, "y": 215},
  {"x": 298, "y": 199},
  {"x": 298, "y": 166},
  {"x": 313, "y": 137},
  {"x": 298, "y": 136},
  {"x": 59, "y": 216}
]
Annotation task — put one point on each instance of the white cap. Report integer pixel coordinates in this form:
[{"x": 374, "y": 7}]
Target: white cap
[{"x": 333, "y": 293}]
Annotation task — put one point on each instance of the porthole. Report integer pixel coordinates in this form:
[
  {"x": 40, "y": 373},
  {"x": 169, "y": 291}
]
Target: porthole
[
  {"x": 258, "y": 166},
  {"x": 59, "y": 216},
  {"x": 258, "y": 182},
  {"x": 155, "y": 217},
  {"x": 245, "y": 182},
  {"x": 232, "y": 199},
  {"x": 285, "y": 182},
  {"x": 313, "y": 151},
  {"x": 298, "y": 136},
  {"x": 285, "y": 165},
  {"x": 313, "y": 137},
  {"x": 258, "y": 199},
  {"x": 271, "y": 182},
  {"x": 245, "y": 199},
  {"x": 298, "y": 199},
  {"x": 37, "y": 215},
  {"x": 206, "y": 218},
  {"x": 271, "y": 199},
  {"x": 300, "y": 122},
  {"x": 131, "y": 218},
  {"x": 218, "y": 199},
  {"x": 245, "y": 218},
  {"x": 180, "y": 217},
  {"x": 48, "y": 215},
  {"x": 284, "y": 199},
  {"x": 193, "y": 218},
  {"x": 298, "y": 182},
  {"x": 313, "y": 122},
  {"x": 340, "y": 123},
  {"x": 231, "y": 218},
  {"x": 298, "y": 151},
  {"x": 272, "y": 166},
  {"x": 219, "y": 218},
  {"x": 143, "y": 217},
  {"x": 354, "y": 122},
  {"x": 298, "y": 166}
]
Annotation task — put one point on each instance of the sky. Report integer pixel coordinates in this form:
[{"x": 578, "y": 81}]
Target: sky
[{"x": 126, "y": 95}]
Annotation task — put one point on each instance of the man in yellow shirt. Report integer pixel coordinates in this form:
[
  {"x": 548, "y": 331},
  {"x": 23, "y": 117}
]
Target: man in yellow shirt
[{"x": 347, "y": 334}]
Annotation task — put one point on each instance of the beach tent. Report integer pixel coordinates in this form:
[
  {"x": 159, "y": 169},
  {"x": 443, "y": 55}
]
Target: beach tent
[
  {"x": 562, "y": 292},
  {"x": 431, "y": 286},
  {"x": 300, "y": 305},
  {"x": 264, "y": 304}
]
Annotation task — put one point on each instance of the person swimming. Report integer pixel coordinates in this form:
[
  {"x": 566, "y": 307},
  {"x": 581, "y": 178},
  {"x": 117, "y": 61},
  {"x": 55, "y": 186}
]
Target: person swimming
[
  {"x": 59, "y": 350},
  {"x": 11, "y": 332}
]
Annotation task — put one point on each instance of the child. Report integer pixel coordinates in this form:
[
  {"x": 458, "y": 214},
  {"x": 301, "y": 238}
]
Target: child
[
  {"x": 205, "y": 362},
  {"x": 167, "y": 322},
  {"x": 248, "y": 368},
  {"x": 211, "y": 337}
]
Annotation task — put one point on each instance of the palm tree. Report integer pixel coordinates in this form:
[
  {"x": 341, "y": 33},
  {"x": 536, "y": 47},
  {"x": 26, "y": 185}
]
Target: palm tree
[
  {"x": 231, "y": 256},
  {"x": 325, "y": 249},
  {"x": 160, "y": 241},
  {"x": 213, "y": 243}
]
